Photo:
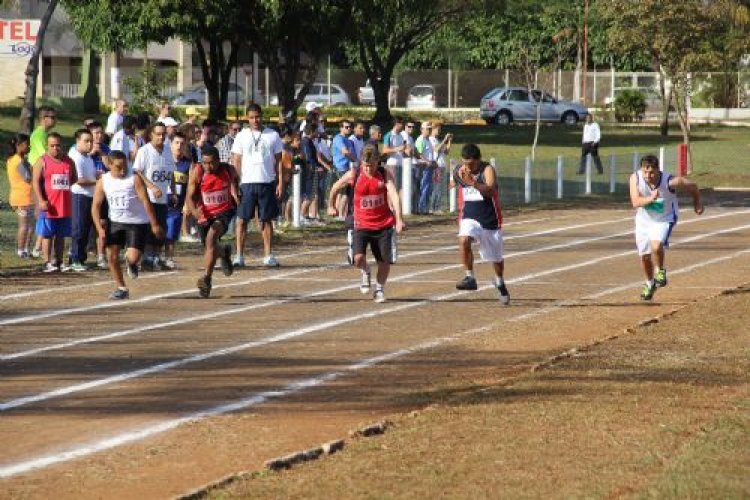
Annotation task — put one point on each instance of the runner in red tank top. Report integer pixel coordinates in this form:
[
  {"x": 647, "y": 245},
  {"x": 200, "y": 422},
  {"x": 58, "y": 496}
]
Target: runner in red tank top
[
  {"x": 212, "y": 198},
  {"x": 54, "y": 174},
  {"x": 374, "y": 220}
]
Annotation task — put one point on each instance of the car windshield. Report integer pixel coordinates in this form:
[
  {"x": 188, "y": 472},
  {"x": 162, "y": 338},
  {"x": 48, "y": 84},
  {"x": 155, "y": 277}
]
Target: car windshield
[{"x": 421, "y": 91}]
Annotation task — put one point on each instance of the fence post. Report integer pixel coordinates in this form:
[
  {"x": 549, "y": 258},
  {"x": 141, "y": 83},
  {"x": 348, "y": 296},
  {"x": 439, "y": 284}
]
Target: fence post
[
  {"x": 452, "y": 194},
  {"x": 527, "y": 180},
  {"x": 661, "y": 158},
  {"x": 406, "y": 186},
  {"x": 612, "y": 173},
  {"x": 296, "y": 194},
  {"x": 636, "y": 160},
  {"x": 559, "y": 177},
  {"x": 588, "y": 174}
]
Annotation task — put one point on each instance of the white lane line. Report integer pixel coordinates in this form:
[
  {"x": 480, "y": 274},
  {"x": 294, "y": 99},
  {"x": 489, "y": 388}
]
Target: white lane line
[
  {"x": 256, "y": 399},
  {"x": 250, "y": 307},
  {"x": 162, "y": 367},
  {"x": 149, "y": 298}
]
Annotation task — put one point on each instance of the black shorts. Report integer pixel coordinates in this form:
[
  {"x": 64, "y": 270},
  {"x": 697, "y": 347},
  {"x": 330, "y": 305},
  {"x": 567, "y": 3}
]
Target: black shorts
[
  {"x": 161, "y": 210},
  {"x": 127, "y": 235},
  {"x": 260, "y": 197},
  {"x": 225, "y": 218},
  {"x": 379, "y": 241}
]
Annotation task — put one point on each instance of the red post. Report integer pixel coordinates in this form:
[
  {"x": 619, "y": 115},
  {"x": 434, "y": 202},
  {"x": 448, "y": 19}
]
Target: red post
[{"x": 682, "y": 159}]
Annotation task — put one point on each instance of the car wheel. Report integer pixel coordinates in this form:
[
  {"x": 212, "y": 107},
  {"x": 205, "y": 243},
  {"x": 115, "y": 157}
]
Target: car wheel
[
  {"x": 503, "y": 118},
  {"x": 570, "y": 118}
]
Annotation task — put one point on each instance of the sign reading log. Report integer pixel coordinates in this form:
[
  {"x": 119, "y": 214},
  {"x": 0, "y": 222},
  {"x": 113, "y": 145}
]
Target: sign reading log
[{"x": 18, "y": 37}]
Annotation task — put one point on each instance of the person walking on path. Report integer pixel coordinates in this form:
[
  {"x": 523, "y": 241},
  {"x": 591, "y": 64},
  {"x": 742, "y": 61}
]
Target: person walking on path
[
  {"x": 256, "y": 156},
  {"x": 21, "y": 192},
  {"x": 480, "y": 219},
  {"x": 54, "y": 174},
  {"x": 212, "y": 197},
  {"x": 377, "y": 213},
  {"x": 130, "y": 213},
  {"x": 653, "y": 194},
  {"x": 591, "y": 136}
]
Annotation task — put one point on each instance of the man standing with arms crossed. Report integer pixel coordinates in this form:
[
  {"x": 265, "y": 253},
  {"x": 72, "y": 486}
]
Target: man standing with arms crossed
[{"x": 256, "y": 156}]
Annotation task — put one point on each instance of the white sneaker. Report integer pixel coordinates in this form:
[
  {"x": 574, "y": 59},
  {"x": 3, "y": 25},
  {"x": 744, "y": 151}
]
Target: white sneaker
[
  {"x": 64, "y": 268},
  {"x": 49, "y": 267},
  {"x": 189, "y": 238},
  {"x": 170, "y": 264},
  {"x": 36, "y": 253},
  {"x": 101, "y": 262},
  {"x": 238, "y": 261},
  {"x": 378, "y": 296},
  {"x": 364, "y": 287},
  {"x": 270, "y": 261}
]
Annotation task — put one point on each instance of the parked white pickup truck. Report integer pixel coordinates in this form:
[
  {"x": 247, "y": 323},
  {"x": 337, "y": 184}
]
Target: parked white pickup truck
[{"x": 367, "y": 95}]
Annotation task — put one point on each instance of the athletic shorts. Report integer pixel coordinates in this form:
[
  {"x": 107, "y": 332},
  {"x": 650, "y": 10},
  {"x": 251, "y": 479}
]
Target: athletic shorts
[
  {"x": 225, "y": 218},
  {"x": 378, "y": 240},
  {"x": 174, "y": 225},
  {"x": 160, "y": 209},
  {"x": 260, "y": 197},
  {"x": 490, "y": 240},
  {"x": 50, "y": 228},
  {"x": 25, "y": 212},
  {"x": 648, "y": 231},
  {"x": 127, "y": 235}
]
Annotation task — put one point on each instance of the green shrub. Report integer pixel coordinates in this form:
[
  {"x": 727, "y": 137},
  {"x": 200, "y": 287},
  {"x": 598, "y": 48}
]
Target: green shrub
[{"x": 630, "y": 105}]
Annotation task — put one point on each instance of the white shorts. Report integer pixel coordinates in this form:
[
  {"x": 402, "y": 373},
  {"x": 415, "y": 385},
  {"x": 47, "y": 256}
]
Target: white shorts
[
  {"x": 490, "y": 240},
  {"x": 646, "y": 232}
]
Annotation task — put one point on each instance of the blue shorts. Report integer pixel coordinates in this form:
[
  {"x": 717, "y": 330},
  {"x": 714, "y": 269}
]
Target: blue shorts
[
  {"x": 174, "y": 224},
  {"x": 50, "y": 228},
  {"x": 260, "y": 197}
]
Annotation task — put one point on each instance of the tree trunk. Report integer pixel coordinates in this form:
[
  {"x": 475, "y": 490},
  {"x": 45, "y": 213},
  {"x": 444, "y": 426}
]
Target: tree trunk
[
  {"x": 26, "y": 122},
  {"x": 216, "y": 70},
  {"x": 381, "y": 86},
  {"x": 88, "y": 89}
]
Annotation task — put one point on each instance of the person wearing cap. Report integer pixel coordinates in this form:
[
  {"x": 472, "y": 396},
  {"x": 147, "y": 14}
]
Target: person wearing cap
[
  {"x": 314, "y": 112},
  {"x": 171, "y": 125},
  {"x": 192, "y": 115},
  {"x": 425, "y": 167}
]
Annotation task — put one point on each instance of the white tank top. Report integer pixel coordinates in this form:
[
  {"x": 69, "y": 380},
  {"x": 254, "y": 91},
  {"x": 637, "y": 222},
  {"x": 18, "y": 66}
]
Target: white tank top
[
  {"x": 664, "y": 208},
  {"x": 124, "y": 205}
]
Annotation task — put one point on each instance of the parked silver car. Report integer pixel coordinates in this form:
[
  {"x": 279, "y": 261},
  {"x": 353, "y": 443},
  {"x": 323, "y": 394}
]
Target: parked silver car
[
  {"x": 197, "y": 95},
  {"x": 319, "y": 93},
  {"x": 503, "y": 105}
]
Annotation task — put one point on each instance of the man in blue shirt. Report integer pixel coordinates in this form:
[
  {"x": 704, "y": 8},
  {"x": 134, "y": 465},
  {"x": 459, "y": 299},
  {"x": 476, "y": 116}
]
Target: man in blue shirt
[{"x": 343, "y": 155}]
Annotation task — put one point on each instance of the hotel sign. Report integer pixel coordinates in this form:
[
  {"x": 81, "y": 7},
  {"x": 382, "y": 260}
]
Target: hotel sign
[{"x": 18, "y": 37}]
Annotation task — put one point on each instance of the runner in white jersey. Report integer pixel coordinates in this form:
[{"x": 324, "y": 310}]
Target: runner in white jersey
[
  {"x": 654, "y": 195},
  {"x": 130, "y": 212}
]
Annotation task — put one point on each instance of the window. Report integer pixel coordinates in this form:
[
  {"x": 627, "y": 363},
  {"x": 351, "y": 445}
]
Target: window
[{"x": 518, "y": 95}]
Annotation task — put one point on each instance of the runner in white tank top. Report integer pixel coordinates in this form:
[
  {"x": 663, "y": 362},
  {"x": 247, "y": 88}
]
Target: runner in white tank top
[
  {"x": 130, "y": 212},
  {"x": 654, "y": 194}
]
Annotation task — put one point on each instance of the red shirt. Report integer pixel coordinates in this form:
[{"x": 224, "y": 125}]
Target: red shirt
[
  {"x": 58, "y": 176},
  {"x": 371, "y": 209},
  {"x": 216, "y": 197}
]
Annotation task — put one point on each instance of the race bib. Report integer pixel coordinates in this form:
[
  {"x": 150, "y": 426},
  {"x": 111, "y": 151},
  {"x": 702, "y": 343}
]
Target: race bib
[
  {"x": 118, "y": 202},
  {"x": 656, "y": 206},
  {"x": 214, "y": 198},
  {"x": 60, "y": 182},
  {"x": 371, "y": 201},
  {"x": 180, "y": 177},
  {"x": 161, "y": 176},
  {"x": 472, "y": 194}
]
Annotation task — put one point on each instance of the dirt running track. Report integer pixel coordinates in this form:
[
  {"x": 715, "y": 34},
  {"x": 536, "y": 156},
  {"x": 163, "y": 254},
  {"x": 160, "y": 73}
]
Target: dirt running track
[{"x": 157, "y": 395}]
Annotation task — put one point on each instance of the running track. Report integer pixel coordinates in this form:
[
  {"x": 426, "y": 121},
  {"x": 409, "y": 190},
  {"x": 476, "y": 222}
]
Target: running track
[{"x": 159, "y": 394}]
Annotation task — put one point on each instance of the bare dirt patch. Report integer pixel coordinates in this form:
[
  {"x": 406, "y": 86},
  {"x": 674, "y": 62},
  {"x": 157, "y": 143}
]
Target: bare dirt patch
[{"x": 661, "y": 411}]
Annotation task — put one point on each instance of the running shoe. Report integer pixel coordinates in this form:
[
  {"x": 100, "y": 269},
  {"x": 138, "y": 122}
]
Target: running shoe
[
  {"x": 36, "y": 253},
  {"x": 378, "y": 296},
  {"x": 78, "y": 267},
  {"x": 101, "y": 262},
  {"x": 189, "y": 238},
  {"x": 660, "y": 279},
  {"x": 146, "y": 264},
  {"x": 169, "y": 264},
  {"x": 132, "y": 270},
  {"x": 270, "y": 261},
  {"x": 204, "y": 287},
  {"x": 238, "y": 261},
  {"x": 468, "y": 283},
  {"x": 49, "y": 267},
  {"x": 64, "y": 268},
  {"x": 365, "y": 285},
  {"x": 227, "y": 267},
  {"x": 120, "y": 294},
  {"x": 502, "y": 292},
  {"x": 648, "y": 292}
]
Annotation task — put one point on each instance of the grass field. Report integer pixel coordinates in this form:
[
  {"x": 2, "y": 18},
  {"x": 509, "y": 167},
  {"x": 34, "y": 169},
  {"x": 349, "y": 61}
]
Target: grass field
[{"x": 721, "y": 158}]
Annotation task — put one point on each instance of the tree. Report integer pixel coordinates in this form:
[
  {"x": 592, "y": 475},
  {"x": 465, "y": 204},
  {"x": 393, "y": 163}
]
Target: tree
[
  {"x": 674, "y": 32},
  {"x": 385, "y": 31},
  {"x": 292, "y": 37},
  {"x": 28, "y": 112}
]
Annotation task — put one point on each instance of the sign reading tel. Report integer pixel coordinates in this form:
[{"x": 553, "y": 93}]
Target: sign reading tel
[{"x": 18, "y": 36}]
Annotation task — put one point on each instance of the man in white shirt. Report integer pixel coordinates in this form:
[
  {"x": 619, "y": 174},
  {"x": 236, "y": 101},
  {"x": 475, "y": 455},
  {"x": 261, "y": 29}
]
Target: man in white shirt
[
  {"x": 424, "y": 167},
  {"x": 114, "y": 121},
  {"x": 82, "y": 196},
  {"x": 126, "y": 141},
  {"x": 256, "y": 155},
  {"x": 394, "y": 147},
  {"x": 155, "y": 164},
  {"x": 591, "y": 137}
]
